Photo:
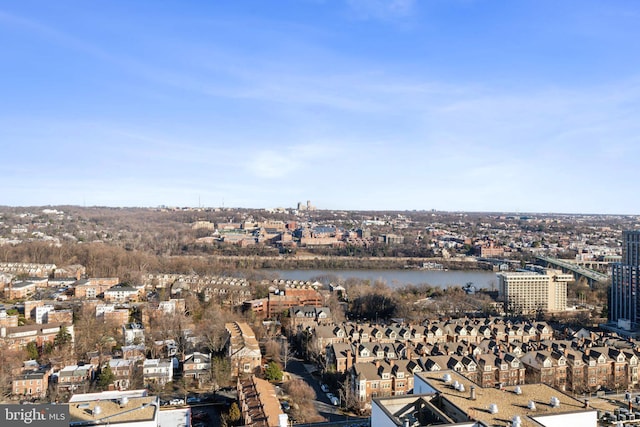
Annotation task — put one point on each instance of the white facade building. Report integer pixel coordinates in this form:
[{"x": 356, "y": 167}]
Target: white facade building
[{"x": 525, "y": 292}]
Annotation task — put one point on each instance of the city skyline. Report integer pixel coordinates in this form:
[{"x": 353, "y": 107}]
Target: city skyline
[{"x": 462, "y": 105}]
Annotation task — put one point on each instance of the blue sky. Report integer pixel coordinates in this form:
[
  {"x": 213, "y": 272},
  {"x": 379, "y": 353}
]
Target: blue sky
[{"x": 470, "y": 105}]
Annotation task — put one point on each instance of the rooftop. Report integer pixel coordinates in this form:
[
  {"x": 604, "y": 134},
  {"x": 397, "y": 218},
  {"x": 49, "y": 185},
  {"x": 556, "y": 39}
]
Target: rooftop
[
  {"x": 509, "y": 403},
  {"x": 262, "y": 405},
  {"x": 113, "y": 411}
]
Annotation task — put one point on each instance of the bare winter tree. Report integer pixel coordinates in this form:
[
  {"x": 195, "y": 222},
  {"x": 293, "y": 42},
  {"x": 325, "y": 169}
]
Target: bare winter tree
[
  {"x": 286, "y": 352},
  {"x": 212, "y": 328},
  {"x": 9, "y": 361}
]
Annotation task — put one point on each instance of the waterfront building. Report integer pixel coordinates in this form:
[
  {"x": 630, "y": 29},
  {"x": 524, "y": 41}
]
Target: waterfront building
[{"x": 525, "y": 292}]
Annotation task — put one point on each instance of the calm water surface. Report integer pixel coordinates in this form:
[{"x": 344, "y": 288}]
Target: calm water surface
[{"x": 398, "y": 278}]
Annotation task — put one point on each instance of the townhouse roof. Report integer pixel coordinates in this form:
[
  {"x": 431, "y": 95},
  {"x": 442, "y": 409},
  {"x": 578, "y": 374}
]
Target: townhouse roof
[
  {"x": 261, "y": 402},
  {"x": 242, "y": 336}
]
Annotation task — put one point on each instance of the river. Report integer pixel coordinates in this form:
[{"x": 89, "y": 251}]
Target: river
[{"x": 398, "y": 278}]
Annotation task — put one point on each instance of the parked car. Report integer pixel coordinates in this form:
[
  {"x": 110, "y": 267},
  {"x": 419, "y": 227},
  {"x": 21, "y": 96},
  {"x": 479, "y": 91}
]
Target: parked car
[
  {"x": 324, "y": 388},
  {"x": 285, "y": 406},
  {"x": 176, "y": 402},
  {"x": 334, "y": 400}
]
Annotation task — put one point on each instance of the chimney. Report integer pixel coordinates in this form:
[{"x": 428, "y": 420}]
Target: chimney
[{"x": 377, "y": 363}]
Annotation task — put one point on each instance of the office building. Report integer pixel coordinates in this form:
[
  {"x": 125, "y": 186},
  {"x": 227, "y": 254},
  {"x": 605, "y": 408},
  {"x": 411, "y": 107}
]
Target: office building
[{"x": 624, "y": 304}]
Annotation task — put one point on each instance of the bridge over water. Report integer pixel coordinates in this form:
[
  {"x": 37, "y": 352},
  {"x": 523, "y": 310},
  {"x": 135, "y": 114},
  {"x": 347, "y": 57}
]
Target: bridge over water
[{"x": 578, "y": 271}]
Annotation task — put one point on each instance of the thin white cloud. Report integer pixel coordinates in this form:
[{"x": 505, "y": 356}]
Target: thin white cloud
[
  {"x": 286, "y": 162},
  {"x": 384, "y": 10}
]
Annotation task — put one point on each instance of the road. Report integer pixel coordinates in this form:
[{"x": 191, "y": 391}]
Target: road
[{"x": 295, "y": 367}]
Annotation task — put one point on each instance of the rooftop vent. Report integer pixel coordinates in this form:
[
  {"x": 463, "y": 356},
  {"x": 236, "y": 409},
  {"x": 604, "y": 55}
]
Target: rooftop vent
[
  {"x": 532, "y": 405},
  {"x": 456, "y": 385},
  {"x": 493, "y": 408},
  {"x": 517, "y": 390},
  {"x": 555, "y": 402},
  {"x": 461, "y": 388},
  {"x": 97, "y": 410},
  {"x": 124, "y": 400}
]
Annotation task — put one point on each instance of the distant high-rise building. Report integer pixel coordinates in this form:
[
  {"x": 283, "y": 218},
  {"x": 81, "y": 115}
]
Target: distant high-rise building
[{"x": 624, "y": 302}]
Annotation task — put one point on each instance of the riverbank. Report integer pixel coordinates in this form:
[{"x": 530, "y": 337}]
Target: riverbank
[{"x": 315, "y": 262}]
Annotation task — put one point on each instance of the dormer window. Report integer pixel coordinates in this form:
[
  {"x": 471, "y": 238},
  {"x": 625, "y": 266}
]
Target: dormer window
[
  {"x": 385, "y": 375},
  {"x": 400, "y": 374}
]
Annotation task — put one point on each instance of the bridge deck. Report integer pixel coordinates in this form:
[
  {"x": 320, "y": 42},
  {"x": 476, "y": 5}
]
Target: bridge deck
[{"x": 582, "y": 271}]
